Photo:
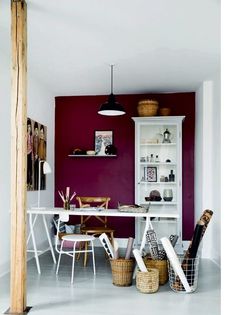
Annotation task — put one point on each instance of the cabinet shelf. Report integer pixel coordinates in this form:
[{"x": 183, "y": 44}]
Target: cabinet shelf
[
  {"x": 158, "y": 163},
  {"x": 158, "y": 144},
  {"x": 157, "y": 183},
  {"x": 160, "y": 203},
  {"x": 90, "y": 156}
]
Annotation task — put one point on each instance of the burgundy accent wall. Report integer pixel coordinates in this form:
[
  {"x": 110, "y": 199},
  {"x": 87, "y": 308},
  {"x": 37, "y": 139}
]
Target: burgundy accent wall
[{"x": 76, "y": 119}]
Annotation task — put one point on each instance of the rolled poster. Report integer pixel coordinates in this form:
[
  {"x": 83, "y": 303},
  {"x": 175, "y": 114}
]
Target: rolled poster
[
  {"x": 107, "y": 245},
  {"x": 129, "y": 248},
  {"x": 116, "y": 249},
  {"x": 139, "y": 260}
]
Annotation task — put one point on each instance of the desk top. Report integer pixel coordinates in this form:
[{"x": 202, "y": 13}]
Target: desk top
[{"x": 163, "y": 213}]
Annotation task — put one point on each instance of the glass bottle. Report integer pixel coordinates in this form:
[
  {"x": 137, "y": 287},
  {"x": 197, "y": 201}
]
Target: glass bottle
[{"x": 157, "y": 159}]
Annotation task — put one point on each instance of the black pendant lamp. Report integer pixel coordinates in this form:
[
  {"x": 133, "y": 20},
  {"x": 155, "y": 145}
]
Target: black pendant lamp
[{"x": 111, "y": 107}]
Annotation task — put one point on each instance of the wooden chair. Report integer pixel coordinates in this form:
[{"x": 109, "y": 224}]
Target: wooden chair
[{"x": 100, "y": 202}]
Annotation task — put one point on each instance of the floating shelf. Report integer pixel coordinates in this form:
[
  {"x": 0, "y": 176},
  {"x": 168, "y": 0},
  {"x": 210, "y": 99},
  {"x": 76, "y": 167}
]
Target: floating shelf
[{"x": 90, "y": 156}]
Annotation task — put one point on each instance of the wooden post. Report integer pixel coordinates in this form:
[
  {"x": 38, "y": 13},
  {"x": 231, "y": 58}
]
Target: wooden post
[{"x": 18, "y": 156}]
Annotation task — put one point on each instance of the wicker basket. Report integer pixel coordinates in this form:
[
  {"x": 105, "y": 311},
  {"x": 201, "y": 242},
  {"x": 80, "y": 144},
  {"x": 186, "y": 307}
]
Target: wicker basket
[
  {"x": 147, "y": 108},
  {"x": 161, "y": 265},
  {"x": 148, "y": 282},
  {"x": 122, "y": 271},
  {"x": 164, "y": 111}
]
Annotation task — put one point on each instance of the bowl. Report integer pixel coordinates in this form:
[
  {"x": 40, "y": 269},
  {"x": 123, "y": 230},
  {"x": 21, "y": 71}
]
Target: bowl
[{"x": 90, "y": 152}]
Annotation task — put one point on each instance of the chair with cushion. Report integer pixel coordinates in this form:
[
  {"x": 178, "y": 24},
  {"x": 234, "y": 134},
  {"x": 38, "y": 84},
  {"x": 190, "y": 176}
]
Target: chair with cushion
[
  {"x": 74, "y": 241},
  {"x": 94, "y": 229}
]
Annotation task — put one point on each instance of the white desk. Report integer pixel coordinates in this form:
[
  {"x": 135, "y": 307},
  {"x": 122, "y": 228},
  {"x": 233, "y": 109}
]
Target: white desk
[{"x": 80, "y": 211}]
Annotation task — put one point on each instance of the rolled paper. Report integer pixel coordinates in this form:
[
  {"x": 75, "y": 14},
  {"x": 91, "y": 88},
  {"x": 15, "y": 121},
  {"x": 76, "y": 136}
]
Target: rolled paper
[
  {"x": 173, "y": 239},
  {"x": 129, "y": 248},
  {"x": 161, "y": 254},
  {"x": 197, "y": 236},
  {"x": 116, "y": 249},
  {"x": 170, "y": 252},
  {"x": 107, "y": 245},
  {"x": 152, "y": 241},
  {"x": 139, "y": 260},
  {"x": 205, "y": 219}
]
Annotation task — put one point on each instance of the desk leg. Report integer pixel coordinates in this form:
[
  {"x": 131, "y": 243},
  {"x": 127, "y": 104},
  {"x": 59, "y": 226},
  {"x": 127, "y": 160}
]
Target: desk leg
[
  {"x": 148, "y": 225},
  {"x": 34, "y": 243},
  {"x": 29, "y": 236},
  {"x": 49, "y": 239}
]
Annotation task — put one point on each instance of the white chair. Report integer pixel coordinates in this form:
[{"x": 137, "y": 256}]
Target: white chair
[{"x": 75, "y": 240}]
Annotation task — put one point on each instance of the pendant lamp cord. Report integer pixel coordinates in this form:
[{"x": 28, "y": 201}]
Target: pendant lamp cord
[{"x": 112, "y": 79}]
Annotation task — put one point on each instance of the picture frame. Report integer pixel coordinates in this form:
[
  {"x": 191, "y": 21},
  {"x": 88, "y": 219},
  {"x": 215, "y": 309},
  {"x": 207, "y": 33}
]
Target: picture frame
[
  {"x": 150, "y": 174},
  {"x": 102, "y": 139},
  {"x": 36, "y": 152}
]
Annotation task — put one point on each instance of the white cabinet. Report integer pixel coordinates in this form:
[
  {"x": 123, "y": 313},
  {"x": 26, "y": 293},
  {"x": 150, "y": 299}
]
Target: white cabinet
[{"x": 158, "y": 172}]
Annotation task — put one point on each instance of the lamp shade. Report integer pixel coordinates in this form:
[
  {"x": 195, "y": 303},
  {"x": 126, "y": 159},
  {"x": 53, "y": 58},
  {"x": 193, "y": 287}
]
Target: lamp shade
[
  {"x": 111, "y": 107},
  {"x": 46, "y": 168}
]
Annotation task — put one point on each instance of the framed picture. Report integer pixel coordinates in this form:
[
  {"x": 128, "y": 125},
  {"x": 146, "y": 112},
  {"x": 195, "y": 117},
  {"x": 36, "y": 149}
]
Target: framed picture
[
  {"x": 150, "y": 174},
  {"x": 36, "y": 152},
  {"x": 102, "y": 139}
]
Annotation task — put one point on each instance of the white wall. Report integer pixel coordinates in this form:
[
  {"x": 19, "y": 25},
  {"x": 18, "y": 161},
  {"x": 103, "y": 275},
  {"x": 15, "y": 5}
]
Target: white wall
[
  {"x": 207, "y": 163},
  {"x": 40, "y": 108}
]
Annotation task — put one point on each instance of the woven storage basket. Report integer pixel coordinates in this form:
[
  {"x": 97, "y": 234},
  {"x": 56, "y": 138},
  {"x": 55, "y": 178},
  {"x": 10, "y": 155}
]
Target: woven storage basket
[
  {"x": 122, "y": 271},
  {"x": 147, "y": 108},
  {"x": 161, "y": 265},
  {"x": 148, "y": 282}
]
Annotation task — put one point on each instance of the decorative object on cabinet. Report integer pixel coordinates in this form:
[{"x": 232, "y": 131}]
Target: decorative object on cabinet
[
  {"x": 164, "y": 111},
  {"x": 166, "y": 136},
  {"x": 154, "y": 196},
  {"x": 168, "y": 194},
  {"x": 168, "y": 161},
  {"x": 103, "y": 138},
  {"x": 150, "y": 173},
  {"x": 147, "y": 108},
  {"x": 111, "y": 107}
]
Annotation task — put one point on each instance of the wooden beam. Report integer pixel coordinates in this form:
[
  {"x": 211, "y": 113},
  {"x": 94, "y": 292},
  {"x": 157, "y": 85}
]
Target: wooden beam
[{"x": 18, "y": 156}]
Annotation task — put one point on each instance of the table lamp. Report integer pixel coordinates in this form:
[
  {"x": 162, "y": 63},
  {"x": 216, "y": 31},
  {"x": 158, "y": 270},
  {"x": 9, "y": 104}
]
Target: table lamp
[{"x": 46, "y": 170}]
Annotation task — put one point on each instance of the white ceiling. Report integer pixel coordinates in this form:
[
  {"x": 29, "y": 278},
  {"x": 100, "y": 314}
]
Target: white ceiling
[{"x": 156, "y": 45}]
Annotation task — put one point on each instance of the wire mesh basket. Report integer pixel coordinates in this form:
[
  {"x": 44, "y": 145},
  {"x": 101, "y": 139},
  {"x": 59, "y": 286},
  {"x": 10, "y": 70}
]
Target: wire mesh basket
[{"x": 190, "y": 267}]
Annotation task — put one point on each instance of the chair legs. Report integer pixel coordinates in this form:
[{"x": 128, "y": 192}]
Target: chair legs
[
  {"x": 73, "y": 263},
  {"x": 59, "y": 259},
  {"x": 94, "y": 269},
  {"x": 73, "y": 257}
]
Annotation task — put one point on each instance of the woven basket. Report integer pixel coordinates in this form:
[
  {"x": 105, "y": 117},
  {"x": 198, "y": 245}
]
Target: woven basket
[
  {"x": 164, "y": 111},
  {"x": 122, "y": 271},
  {"x": 147, "y": 108},
  {"x": 148, "y": 282},
  {"x": 161, "y": 265}
]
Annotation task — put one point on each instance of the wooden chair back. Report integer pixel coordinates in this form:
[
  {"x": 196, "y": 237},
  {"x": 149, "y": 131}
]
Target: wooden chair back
[{"x": 100, "y": 202}]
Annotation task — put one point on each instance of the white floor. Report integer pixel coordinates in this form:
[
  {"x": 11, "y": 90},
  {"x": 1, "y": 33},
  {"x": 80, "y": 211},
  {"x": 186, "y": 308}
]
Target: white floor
[{"x": 89, "y": 295}]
